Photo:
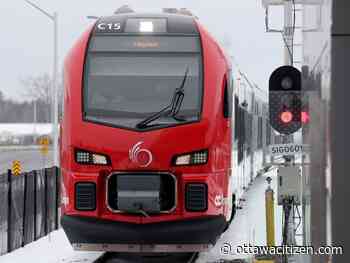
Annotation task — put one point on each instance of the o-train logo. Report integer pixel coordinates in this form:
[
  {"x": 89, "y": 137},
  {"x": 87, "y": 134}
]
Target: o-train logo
[{"x": 140, "y": 156}]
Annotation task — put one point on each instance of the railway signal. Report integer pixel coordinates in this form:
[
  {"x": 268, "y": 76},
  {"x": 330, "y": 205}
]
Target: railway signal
[
  {"x": 305, "y": 117},
  {"x": 285, "y": 100},
  {"x": 305, "y": 109}
]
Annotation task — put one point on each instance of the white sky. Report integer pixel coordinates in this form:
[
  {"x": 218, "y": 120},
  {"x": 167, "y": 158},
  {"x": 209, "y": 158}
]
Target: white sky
[{"x": 26, "y": 35}]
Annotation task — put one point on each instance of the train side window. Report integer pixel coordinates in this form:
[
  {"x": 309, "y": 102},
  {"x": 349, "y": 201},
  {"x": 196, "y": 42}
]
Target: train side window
[
  {"x": 236, "y": 120},
  {"x": 268, "y": 133},
  {"x": 240, "y": 128},
  {"x": 260, "y": 133},
  {"x": 228, "y": 99},
  {"x": 247, "y": 132}
]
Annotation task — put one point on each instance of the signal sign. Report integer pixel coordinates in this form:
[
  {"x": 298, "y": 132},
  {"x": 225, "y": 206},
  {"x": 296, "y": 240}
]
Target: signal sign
[
  {"x": 16, "y": 168},
  {"x": 289, "y": 149},
  {"x": 285, "y": 100},
  {"x": 44, "y": 142}
]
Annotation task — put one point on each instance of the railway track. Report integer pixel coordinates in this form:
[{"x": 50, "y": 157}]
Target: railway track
[{"x": 147, "y": 258}]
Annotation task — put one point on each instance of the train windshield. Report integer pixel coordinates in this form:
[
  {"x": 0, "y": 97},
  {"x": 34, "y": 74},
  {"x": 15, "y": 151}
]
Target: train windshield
[{"x": 123, "y": 88}]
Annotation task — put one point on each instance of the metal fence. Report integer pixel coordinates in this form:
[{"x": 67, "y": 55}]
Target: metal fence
[{"x": 28, "y": 207}]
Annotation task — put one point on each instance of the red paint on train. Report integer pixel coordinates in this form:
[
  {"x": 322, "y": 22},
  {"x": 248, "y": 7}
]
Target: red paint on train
[{"x": 212, "y": 133}]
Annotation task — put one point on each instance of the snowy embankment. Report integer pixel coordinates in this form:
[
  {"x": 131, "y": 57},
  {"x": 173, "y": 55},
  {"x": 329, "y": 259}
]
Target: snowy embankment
[{"x": 25, "y": 128}]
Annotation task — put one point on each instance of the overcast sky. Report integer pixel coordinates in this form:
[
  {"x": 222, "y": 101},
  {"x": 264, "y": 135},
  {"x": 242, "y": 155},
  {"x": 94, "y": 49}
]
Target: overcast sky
[{"x": 26, "y": 35}]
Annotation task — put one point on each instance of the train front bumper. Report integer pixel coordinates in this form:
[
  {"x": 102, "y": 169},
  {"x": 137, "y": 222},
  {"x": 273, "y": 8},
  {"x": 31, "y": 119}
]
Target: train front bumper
[{"x": 94, "y": 234}]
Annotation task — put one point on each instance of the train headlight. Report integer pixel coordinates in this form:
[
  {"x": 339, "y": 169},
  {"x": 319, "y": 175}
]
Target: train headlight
[
  {"x": 194, "y": 158},
  {"x": 99, "y": 159},
  {"x": 86, "y": 157}
]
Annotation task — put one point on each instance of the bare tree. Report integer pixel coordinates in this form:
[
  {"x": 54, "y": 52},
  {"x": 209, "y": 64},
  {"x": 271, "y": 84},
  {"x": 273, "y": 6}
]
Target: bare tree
[
  {"x": 2, "y": 98},
  {"x": 38, "y": 88}
]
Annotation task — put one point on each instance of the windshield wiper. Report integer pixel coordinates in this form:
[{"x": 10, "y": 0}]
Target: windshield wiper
[{"x": 171, "y": 110}]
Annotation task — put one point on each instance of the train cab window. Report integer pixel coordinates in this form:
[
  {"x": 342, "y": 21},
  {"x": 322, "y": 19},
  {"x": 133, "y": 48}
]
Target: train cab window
[{"x": 123, "y": 88}]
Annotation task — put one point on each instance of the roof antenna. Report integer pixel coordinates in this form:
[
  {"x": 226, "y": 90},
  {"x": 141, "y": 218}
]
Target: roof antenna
[{"x": 124, "y": 10}]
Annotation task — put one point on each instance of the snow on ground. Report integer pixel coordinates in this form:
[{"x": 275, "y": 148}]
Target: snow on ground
[
  {"x": 248, "y": 227},
  {"x": 54, "y": 248},
  {"x": 25, "y": 128},
  {"x": 17, "y": 148}
]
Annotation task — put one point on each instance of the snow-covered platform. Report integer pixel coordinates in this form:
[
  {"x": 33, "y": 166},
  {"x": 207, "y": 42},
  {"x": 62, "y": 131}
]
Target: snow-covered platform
[
  {"x": 54, "y": 248},
  {"x": 248, "y": 227}
]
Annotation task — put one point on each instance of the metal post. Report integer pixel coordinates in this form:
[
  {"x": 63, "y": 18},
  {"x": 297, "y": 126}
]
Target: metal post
[
  {"x": 57, "y": 196},
  {"x": 24, "y": 223},
  {"x": 270, "y": 215},
  {"x": 55, "y": 92},
  {"x": 289, "y": 60},
  {"x": 46, "y": 210},
  {"x": 54, "y": 103},
  {"x": 35, "y": 119},
  {"x": 9, "y": 209},
  {"x": 35, "y": 204},
  {"x": 288, "y": 32},
  {"x": 35, "y": 113}
]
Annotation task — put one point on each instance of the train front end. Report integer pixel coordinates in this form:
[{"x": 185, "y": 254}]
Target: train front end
[{"x": 146, "y": 136}]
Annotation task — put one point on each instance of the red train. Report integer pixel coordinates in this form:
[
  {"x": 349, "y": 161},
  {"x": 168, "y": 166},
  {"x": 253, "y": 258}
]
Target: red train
[{"x": 146, "y": 136}]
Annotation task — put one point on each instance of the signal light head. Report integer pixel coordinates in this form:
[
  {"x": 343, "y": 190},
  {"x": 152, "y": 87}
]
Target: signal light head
[
  {"x": 305, "y": 117},
  {"x": 285, "y": 100},
  {"x": 287, "y": 83},
  {"x": 286, "y": 117}
]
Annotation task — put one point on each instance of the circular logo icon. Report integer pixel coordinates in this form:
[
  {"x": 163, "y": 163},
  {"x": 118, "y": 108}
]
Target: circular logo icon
[{"x": 140, "y": 156}]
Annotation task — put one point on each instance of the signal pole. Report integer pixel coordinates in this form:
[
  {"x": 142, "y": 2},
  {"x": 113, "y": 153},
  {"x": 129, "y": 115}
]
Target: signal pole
[
  {"x": 54, "y": 92},
  {"x": 288, "y": 60},
  {"x": 288, "y": 29},
  {"x": 288, "y": 32}
]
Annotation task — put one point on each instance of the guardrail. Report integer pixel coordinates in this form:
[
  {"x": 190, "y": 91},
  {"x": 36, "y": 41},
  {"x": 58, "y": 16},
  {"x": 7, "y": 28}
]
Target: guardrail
[
  {"x": 21, "y": 148},
  {"x": 28, "y": 207}
]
